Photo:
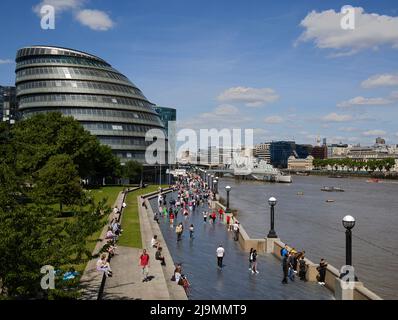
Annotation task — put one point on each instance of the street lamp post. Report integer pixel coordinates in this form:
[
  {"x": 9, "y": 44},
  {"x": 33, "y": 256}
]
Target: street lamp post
[
  {"x": 212, "y": 183},
  {"x": 215, "y": 186},
  {"x": 208, "y": 180},
  {"x": 272, "y": 202},
  {"x": 228, "y": 189},
  {"x": 348, "y": 224}
]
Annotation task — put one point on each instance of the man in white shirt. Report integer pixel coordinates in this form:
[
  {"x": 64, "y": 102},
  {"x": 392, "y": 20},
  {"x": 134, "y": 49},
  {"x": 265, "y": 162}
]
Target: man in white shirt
[
  {"x": 235, "y": 227},
  {"x": 220, "y": 255}
]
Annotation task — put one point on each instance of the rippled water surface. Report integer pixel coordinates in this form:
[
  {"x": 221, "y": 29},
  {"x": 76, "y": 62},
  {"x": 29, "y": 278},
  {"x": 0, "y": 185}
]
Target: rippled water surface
[{"x": 307, "y": 222}]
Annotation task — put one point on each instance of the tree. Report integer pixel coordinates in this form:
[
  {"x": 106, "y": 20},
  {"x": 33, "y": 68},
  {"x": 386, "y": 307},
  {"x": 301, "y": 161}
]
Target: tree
[
  {"x": 56, "y": 185},
  {"x": 32, "y": 237},
  {"x": 132, "y": 170},
  {"x": 41, "y": 136}
]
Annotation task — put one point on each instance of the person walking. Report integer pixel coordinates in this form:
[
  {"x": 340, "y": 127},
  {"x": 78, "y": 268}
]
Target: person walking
[
  {"x": 220, "y": 255},
  {"x": 171, "y": 217},
  {"x": 285, "y": 269},
  {"x": 191, "y": 231},
  {"x": 204, "y": 216},
  {"x": 228, "y": 218},
  {"x": 179, "y": 231},
  {"x": 213, "y": 217},
  {"x": 254, "y": 261},
  {"x": 220, "y": 214},
  {"x": 144, "y": 264},
  {"x": 250, "y": 259},
  {"x": 236, "y": 230}
]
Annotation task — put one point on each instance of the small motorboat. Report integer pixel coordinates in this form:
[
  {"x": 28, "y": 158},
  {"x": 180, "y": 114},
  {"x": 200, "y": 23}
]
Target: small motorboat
[
  {"x": 300, "y": 193},
  {"x": 332, "y": 189},
  {"x": 373, "y": 180},
  {"x": 329, "y": 200}
]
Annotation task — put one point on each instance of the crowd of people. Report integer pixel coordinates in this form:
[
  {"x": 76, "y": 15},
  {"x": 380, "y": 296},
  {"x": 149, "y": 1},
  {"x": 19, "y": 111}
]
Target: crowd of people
[
  {"x": 109, "y": 248},
  {"x": 193, "y": 196}
]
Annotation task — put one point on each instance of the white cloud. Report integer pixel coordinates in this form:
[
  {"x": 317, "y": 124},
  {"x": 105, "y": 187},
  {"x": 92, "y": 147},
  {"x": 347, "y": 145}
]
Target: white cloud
[
  {"x": 374, "y": 133},
  {"x": 371, "y": 31},
  {"x": 348, "y": 129},
  {"x": 394, "y": 95},
  {"x": 361, "y": 101},
  {"x": 334, "y": 117},
  {"x": 251, "y": 97},
  {"x": 273, "y": 119},
  {"x": 6, "y": 61},
  {"x": 380, "y": 80},
  {"x": 94, "y": 19},
  {"x": 60, "y": 5},
  {"x": 223, "y": 116}
]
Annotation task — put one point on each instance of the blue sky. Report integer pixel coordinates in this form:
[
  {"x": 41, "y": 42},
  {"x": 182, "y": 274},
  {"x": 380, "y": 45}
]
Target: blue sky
[{"x": 267, "y": 65}]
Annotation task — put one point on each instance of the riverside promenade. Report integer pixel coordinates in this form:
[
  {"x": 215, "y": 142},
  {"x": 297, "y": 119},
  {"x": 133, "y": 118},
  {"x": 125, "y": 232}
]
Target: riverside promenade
[
  {"x": 234, "y": 281},
  {"x": 126, "y": 282}
]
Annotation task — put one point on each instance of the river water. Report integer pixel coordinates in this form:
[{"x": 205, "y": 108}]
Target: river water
[{"x": 307, "y": 222}]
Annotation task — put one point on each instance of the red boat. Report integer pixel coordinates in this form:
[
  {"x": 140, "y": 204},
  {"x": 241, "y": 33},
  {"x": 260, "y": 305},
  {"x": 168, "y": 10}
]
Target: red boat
[{"x": 374, "y": 180}]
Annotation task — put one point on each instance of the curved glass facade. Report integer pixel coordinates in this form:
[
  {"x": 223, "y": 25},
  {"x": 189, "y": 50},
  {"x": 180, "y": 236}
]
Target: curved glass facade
[{"x": 86, "y": 87}]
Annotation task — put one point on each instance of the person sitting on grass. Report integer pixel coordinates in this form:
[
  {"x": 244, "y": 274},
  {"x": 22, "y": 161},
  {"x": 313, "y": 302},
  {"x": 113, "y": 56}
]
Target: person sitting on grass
[
  {"x": 159, "y": 256},
  {"x": 104, "y": 266}
]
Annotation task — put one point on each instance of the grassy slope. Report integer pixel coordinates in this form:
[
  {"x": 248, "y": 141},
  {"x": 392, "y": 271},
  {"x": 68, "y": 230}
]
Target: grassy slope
[{"x": 131, "y": 236}]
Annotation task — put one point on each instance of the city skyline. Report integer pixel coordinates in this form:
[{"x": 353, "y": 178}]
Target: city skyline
[{"x": 262, "y": 66}]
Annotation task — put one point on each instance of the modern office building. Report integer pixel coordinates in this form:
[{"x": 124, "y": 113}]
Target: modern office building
[
  {"x": 8, "y": 104},
  {"x": 86, "y": 87},
  {"x": 280, "y": 152},
  {"x": 303, "y": 150},
  {"x": 262, "y": 151},
  {"x": 166, "y": 115}
]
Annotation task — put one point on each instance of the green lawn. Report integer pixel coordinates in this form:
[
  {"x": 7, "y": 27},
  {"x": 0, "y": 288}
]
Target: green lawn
[
  {"x": 111, "y": 194},
  {"x": 131, "y": 236}
]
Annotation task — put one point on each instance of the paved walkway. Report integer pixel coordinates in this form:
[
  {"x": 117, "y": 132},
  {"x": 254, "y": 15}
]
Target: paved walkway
[
  {"x": 126, "y": 283},
  {"x": 234, "y": 281}
]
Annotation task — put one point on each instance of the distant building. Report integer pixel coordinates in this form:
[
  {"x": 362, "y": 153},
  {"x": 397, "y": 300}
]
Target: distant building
[
  {"x": 337, "y": 150},
  {"x": 215, "y": 156},
  {"x": 8, "y": 104},
  {"x": 166, "y": 115},
  {"x": 262, "y": 151},
  {"x": 300, "y": 164},
  {"x": 280, "y": 152},
  {"x": 320, "y": 152},
  {"x": 380, "y": 141},
  {"x": 303, "y": 150}
]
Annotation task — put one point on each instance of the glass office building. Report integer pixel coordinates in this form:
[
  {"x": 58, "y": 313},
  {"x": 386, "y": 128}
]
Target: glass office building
[
  {"x": 166, "y": 115},
  {"x": 280, "y": 152},
  {"x": 86, "y": 87}
]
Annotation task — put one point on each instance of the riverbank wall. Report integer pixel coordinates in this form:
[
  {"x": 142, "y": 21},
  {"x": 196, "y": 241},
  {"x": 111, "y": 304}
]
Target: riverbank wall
[{"x": 356, "y": 290}]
